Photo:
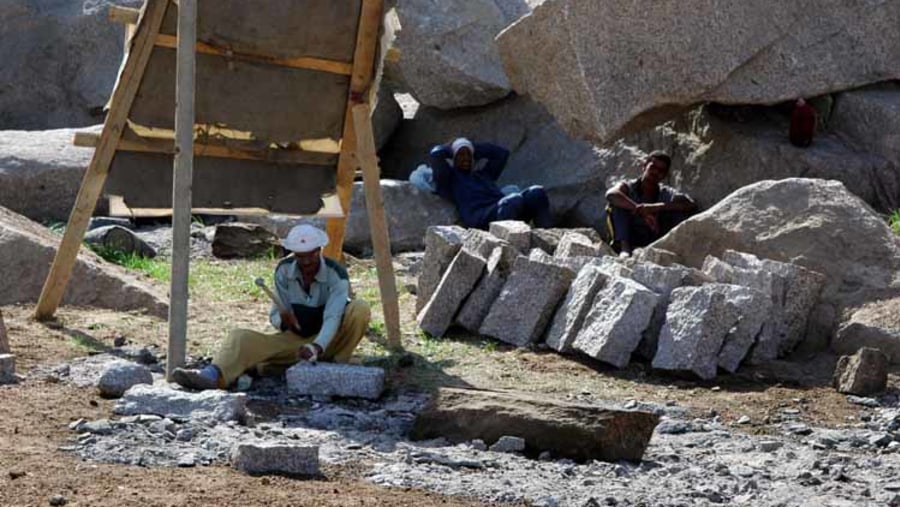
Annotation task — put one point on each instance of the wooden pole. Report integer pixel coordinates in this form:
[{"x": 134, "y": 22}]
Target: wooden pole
[
  {"x": 4, "y": 339},
  {"x": 370, "y": 20},
  {"x": 95, "y": 176},
  {"x": 381, "y": 240},
  {"x": 181, "y": 187}
]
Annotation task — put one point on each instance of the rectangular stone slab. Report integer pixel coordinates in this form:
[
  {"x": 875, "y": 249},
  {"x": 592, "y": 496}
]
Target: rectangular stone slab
[
  {"x": 164, "y": 401},
  {"x": 613, "y": 328},
  {"x": 570, "y": 316},
  {"x": 521, "y": 313},
  {"x": 516, "y": 232},
  {"x": 442, "y": 243},
  {"x": 329, "y": 379},
  {"x": 260, "y": 458},
  {"x": 458, "y": 281},
  {"x": 570, "y": 430}
]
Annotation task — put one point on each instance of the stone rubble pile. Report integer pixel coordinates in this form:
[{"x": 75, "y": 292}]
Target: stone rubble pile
[{"x": 575, "y": 296}]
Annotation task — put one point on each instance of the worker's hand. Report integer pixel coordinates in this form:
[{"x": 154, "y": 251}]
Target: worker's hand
[
  {"x": 290, "y": 321},
  {"x": 309, "y": 352}
]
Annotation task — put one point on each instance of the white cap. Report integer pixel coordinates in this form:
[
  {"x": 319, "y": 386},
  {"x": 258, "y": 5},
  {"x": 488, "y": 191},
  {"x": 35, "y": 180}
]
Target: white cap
[
  {"x": 461, "y": 143},
  {"x": 305, "y": 238}
]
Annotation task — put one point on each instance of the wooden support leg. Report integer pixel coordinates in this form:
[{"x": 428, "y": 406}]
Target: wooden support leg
[
  {"x": 181, "y": 187},
  {"x": 95, "y": 176},
  {"x": 370, "y": 19},
  {"x": 4, "y": 339},
  {"x": 381, "y": 241}
]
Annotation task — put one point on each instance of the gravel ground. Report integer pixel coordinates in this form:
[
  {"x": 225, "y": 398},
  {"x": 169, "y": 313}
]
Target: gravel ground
[{"x": 690, "y": 461}]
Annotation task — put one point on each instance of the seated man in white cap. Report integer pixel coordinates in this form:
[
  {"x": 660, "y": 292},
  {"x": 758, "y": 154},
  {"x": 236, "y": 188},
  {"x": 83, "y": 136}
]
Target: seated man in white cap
[
  {"x": 466, "y": 173},
  {"x": 323, "y": 324}
]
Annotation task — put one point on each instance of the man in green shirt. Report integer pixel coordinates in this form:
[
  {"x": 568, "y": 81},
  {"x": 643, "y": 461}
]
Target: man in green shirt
[{"x": 323, "y": 323}]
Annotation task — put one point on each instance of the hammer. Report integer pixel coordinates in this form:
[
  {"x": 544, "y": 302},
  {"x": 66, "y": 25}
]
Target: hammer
[{"x": 261, "y": 283}]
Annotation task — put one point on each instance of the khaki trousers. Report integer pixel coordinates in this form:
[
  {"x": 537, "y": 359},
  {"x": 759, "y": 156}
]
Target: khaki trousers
[{"x": 244, "y": 349}]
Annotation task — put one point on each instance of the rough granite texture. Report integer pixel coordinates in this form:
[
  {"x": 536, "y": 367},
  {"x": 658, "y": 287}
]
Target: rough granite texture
[
  {"x": 517, "y": 233},
  {"x": 571, "y": 314},
  {"x": 163, "y": 400},
  {"x": 258, "y": 458},
  {"x": 457, "y": 283},
  {"x": 697, "y": 321},
  {"x": 863, "y": 373},
  {"x": 120, "y": 376},
  {"x": 574, "y": 244},
  {"x": 328, "y": 379},
  {"x": 755, "y": 309},
  {"x": 441, "y": 245},
  {"x": 527, "y": 302},
  {"x": 479, "y": 302},
  {"x": 617, "y": 320},
  {"x": 661, "y": 280}
]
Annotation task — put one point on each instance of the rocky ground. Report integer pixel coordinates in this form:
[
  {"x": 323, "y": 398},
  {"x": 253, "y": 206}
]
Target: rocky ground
[{"x": 767, "y": 436}]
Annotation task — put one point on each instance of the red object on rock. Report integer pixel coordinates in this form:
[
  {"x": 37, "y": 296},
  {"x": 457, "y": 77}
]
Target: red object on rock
[{"x": 803, "y": 124}]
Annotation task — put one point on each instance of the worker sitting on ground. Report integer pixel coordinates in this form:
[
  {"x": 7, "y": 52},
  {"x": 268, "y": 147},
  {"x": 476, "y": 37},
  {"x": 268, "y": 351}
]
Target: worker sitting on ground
[
  {"x": 317, "y": 321},
  {"x": 466, "y": 173},
  {"x": 643, "y": 210}
]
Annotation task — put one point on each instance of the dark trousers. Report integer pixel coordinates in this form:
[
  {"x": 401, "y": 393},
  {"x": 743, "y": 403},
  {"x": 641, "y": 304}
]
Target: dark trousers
[
  {"x": 631, "y": 228},
  {"x": 531, "y": 205}
]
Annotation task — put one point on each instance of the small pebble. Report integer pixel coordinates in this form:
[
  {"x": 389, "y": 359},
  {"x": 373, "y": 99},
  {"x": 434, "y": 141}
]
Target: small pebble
[
  {"x": 744, "y": 420},
  {"x": 57, "y": 500}
]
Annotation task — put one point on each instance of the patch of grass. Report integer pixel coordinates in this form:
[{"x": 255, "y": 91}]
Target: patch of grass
[
  {"x": 226, "y": 281},
  {"x": 56, "y": 227},
  {"x": 894, "y": 221},
  {"x": 157, "y": 269}
]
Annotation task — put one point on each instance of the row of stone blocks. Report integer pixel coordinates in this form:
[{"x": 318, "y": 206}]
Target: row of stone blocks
[{"x": 578, "y": 298}]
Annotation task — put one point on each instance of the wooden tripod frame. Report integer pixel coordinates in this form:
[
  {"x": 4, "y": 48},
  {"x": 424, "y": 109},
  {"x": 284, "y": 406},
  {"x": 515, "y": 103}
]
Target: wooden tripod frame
[{"x": 357, "y": 151}]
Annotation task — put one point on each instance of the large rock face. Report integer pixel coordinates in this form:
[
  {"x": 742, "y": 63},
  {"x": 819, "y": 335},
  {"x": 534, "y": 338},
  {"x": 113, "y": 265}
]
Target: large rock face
[
  {"x": 573, "y": 172},
  {"x": 26, "y": 252},
  {"x": 448, "y": 56},
  {"x": 577, "y": 431},
  {"x": 60, "y": 61},
  {"x": 814, "y": 223},
  {"x": 40, "y": 172},
  {"x": 603, "y": 71},
  {"x": 409, "y": 211},
  {"x": 718, "y": 150}
]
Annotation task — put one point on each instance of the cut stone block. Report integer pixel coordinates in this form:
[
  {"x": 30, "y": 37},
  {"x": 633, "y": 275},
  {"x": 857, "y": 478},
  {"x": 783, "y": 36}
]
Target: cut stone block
[
  {"x": 577, "y": 431},
  {"x": 442, "y": 243},
  {"x": 863, "y": 373},
  {"x": 261, "y": 458},
  {"x": 754, "y": 308},
  {"x": 479, "y": 302},
  {"x": 571, "y": 314},
  {"x": 7, "y": 368},
  {"x": 802, "y": 290},
  {"x": 517, "y": 233},
  {"x": 620, "y": 313},
  {"x": 526, "y": 304},
  {"x": 573, "y": 244},
  {"x": 697, "y": 322},
  {"x": 548, "y": 239},
  {"x": 164, "y": 401},
  {"x": 481, "y": 242},
  {"x": 656, "y": 256},
  {"x": 329, "y": 379},
  {"x": 661, "y": 280},
  {"x": 457, "y": 283}
]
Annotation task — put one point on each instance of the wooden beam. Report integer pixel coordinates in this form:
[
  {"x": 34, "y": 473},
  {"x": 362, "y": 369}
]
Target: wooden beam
[
  {"x": 167, "y": 146},
  {"x": 4, "y": 339},
  {"x": 186, "y": 66},
  {"x": 378, "y": 229},
  {"x": 124, "y": 15},
  {"x": 308, "y": 63},
  {"x": 370, "y": 20},
  {"x": 95, "y": 176}
]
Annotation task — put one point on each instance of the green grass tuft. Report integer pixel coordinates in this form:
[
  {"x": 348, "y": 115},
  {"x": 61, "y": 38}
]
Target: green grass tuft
[{"x": 894, "y": 221}]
